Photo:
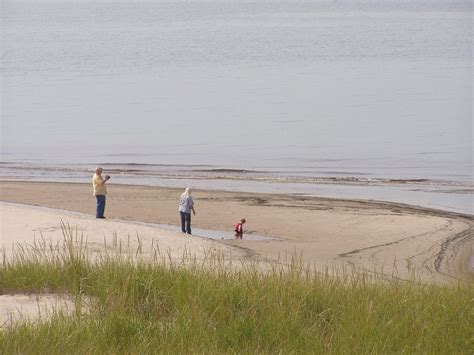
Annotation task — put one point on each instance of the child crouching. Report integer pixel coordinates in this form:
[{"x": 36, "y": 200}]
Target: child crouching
[{"x": 239, "y": 229}]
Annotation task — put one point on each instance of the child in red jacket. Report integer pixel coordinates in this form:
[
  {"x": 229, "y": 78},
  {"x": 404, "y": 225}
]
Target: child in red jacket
[{"x": 239, "y": 229}]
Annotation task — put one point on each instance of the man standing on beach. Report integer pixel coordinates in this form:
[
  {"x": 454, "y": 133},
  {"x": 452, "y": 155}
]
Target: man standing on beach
[{"x": 100, "y": 190}]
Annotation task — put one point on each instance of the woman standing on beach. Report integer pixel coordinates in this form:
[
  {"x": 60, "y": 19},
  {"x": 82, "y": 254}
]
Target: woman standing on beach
[{"x": 186, "y": 205}]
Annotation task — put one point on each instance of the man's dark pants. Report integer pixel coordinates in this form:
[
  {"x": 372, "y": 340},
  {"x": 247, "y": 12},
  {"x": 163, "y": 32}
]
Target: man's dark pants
[
  {"x": 100, "y": 206},
  {"x": 185, "y": 222}
]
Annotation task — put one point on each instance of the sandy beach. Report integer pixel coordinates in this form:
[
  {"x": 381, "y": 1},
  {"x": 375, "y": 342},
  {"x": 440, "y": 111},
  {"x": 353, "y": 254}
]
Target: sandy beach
[
  {"x": 323, "y": 233},
  {"x": 388, "y": 237}
]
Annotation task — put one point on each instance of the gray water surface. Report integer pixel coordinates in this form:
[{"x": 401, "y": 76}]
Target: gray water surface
[{"x": 379, "y": 89}]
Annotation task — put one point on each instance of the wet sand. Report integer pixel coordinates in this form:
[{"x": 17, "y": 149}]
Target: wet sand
[{"x": 394, "y": 238}]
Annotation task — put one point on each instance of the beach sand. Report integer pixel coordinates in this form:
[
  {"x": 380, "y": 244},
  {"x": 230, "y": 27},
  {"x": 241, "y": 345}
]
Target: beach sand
[
  {"x": 23, "y": 225},
  {"x": 393, "y": 238},
  {"x": 327, "y": 234},
  {"x": 27, "y": 307}
]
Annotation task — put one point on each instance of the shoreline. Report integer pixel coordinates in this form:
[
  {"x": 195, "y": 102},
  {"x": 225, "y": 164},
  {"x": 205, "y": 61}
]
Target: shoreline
[
  {"x": 207, "y": 172},
  {"x": 432, "y": 192},
  {"x": 323, "y": 231},
  {"x": 382, "y": 203}
]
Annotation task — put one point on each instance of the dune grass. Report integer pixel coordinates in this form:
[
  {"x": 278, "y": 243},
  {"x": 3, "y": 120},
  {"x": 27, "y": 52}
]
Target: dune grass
[{"x": 153, "y": 307}]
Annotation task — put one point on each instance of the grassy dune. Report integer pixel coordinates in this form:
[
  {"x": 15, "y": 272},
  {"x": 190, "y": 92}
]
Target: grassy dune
[{"x": 148, "y": 307}]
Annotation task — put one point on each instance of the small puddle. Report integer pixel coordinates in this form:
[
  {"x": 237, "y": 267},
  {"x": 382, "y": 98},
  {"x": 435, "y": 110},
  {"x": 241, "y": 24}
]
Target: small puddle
[
  {"x": 213, "y": 234},
  {"x": 205, "y": 233}
]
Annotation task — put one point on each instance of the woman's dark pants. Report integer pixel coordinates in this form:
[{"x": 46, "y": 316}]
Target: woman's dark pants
[
  {"x": 185, "y": 222},
  {"x": 100, "y": 206}
]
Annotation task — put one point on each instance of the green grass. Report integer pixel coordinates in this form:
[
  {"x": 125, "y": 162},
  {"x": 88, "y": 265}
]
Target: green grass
[{"x": 153, "y": 307}]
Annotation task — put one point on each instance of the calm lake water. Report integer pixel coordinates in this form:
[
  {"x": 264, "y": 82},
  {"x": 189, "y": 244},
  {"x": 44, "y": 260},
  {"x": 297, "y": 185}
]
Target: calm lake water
[{"x": 340, "y": 91}]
